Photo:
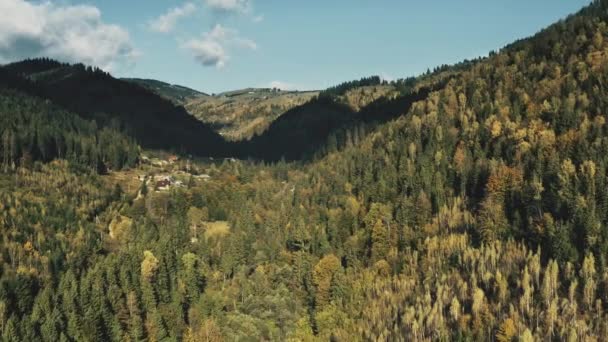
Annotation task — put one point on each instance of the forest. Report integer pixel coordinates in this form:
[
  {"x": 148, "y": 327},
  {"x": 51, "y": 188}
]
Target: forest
[{"x": 473, "y": 206}]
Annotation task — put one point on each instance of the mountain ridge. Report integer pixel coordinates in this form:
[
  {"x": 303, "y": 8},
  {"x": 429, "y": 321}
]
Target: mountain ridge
[
  {"x": 466, "y": 204},
  {"x": 154, "y": 121},
  {"x": 174, "y": 92}
]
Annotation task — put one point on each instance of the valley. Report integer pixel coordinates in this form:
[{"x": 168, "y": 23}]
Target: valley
[
  {"x": 466, "y": 203},
  {"x": 240, "y": 115}
]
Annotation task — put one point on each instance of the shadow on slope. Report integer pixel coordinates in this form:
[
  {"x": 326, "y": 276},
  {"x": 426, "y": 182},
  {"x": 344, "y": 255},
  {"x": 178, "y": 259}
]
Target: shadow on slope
[{"x": 155, "y": 122}]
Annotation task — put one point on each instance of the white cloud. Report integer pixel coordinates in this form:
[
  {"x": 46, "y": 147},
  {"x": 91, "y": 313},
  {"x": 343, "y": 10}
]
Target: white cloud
[
  {"x": 229, "y": 6},
  {"x": 212, "y": 48},
  {"x": 69, "y": 33},
  {"x": 246, "y": 43},
  {"x": 258, "y": 19},
  {"x": 282, "y": 85},
  {"x": 166, "y": 22},
  {"x": 208, "y": 52}
]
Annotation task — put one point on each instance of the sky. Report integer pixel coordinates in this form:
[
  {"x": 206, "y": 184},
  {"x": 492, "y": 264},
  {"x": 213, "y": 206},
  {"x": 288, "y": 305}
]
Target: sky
[{"x": 220, "y": 45}]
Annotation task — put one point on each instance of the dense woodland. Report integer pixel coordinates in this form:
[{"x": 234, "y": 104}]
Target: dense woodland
[
  {"x": 34, "y": 130},
  {"x": 152, "y": 120},
  {"x": 344, "y": 87},
  {"x": 242, "y": 114},
  {"x": 477, "y": 212}
]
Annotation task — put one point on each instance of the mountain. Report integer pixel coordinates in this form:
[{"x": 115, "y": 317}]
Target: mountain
[
  {"x": 352, "y": 109},
  {"x": 467, "y": 204},
  {"x": 291, "y": 125},
  {"x": 241, "y": 114},
  {"x": 178, "y": 94},
  {"x": 495, "y": 183},
  {"x": 154, "y": 121},
  {"x": 34, "y": 130}
]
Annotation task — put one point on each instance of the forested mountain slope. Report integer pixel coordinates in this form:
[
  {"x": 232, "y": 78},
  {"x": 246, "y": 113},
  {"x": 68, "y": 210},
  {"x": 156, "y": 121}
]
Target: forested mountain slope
[
  {"x": 239, "y": 115},
  {"x": 34, "y": 130},
  {"x": 511, "y": 149},
  {"x": 180, "y": 95},
  {"x": 473, "y": 208},
  {"x": 308, "y": 130},
  {"x": 152, "y": 120}
]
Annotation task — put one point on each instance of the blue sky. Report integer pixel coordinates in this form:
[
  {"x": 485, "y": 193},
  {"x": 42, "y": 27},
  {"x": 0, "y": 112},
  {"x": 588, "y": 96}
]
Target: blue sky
[{"x": 218, "y": 45}]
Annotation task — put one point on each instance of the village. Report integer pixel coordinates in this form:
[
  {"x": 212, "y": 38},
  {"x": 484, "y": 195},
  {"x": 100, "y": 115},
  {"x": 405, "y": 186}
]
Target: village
[
  {"x": 157, "y": 175},
  {"x": 163, "y": 174}
]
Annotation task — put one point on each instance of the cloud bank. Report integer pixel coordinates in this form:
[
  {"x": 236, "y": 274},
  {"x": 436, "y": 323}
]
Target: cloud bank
[
  {"x": 166, "y": 22},
  {"x": 69, "y": 33},
  {"x": 215, "y": 47},
  {"x": 212, "y": 49},
  {"x": 229, "y": 6}
]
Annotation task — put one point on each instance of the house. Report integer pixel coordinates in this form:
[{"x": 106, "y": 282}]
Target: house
[
  {"x": 159, "y": 163},
  {"x": 204, "y": 177},
  {"x": 163, "y": 185}
]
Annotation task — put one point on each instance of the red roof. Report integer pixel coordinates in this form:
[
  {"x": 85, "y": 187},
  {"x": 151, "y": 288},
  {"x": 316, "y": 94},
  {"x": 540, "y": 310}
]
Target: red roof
[{"x": 163, "y": 183}]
